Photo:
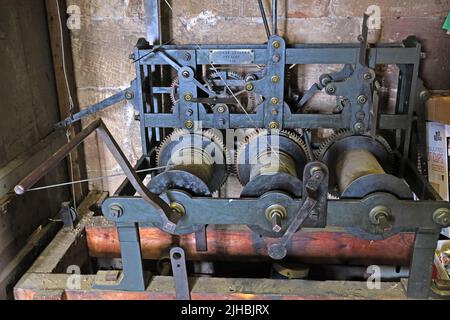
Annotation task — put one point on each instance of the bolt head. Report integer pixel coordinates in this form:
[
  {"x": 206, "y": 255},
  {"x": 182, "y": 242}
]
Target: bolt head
[
  {"x": 221, "y": 109},
  {"x": 188, "y": 97},
  {"x": 275, "y": 100},
  {"x": 330, "y": 88},
  {"x": 249, "y": 87},
  {"x": 276, "y": 58},
  {"x": 424, "y": 95},
  {"x": 186, "y": 74},
  {"x": 275, "y": 112},
  {"x": 276, "y": 44},
  {"x": 187, "y": 56},
  {"x": 442, "y": 217},
  {"x": 359, "y": 127},
  {"x": 367, "y": 76},
  {"x": 275, "y": 79},
  {"x": 362, "y": 99},
  {"x": 116, "y": 210},
  {"x": 129, "y": 95},
  {"x": 189, "y": 124},
  {"x": 274, "y": 125}
]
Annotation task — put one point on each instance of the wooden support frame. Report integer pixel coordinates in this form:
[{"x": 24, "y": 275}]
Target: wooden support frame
[
  {"x": 50, "y": 279},
  {"x": 62, "y": 53}
]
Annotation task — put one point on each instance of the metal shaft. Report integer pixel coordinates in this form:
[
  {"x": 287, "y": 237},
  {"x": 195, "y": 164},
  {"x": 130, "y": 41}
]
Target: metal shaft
[
  {"x": 51, "y": 163},
  {"x": 274, "y": 17},
  {"x": 264, "y": 17}
]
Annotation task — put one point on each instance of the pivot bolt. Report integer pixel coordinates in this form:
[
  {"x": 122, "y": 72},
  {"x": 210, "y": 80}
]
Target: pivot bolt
[
  {"x": 188, "y": 97},
  {"x": 275, "y": 79},
  {"x": 424, "y": 95},
  {"x": 116, "y": 210},
  {"x": 276, "y": 44},
  {"x": 189, "y": 124},
  {"x": 276, "y": 58},
  {"x": 380, "y": 216},
  {"x": 129, "y": 95},
  {"x": 359, "y": 127},
  {"x": 331, "y": 88},
  {"x": 275, "y": 214},
  {"x": 187, "y": 56},
  {"x": 274, "y": 125},
  {"x": 178, "y": 208},
  {"x": 276, "y": 221},
  {"x": 274, "y": 100},
  {"x": 249, "y": 87},
  {"x": 367, "y": 76},
  {"x": 362, "y": 99},
  {"x": 186, "y": 74},
  {"x": 442, "y": 217},
  {"x": 221, "y": 109}
]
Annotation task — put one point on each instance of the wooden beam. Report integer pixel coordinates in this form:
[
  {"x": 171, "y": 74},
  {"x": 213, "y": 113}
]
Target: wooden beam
[
  {"x": 34, "y": 286},
  {"x": 60, "y": 50},
  {"x": 235, "y": 243}
]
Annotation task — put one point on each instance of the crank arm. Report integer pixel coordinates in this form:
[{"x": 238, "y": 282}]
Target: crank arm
[{"x": 315, "y": 192}]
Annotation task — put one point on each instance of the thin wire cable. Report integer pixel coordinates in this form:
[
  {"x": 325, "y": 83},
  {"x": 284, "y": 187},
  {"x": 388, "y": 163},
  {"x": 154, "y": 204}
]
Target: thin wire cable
[
  {"x": 63, "y": 55},
  {"x": 71, "y": 104},
  {"x": 118, "y": 174}
]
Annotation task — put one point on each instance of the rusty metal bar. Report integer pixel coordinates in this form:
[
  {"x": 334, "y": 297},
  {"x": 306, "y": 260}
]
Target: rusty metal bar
[
  {"x": 169, "y": 218},
  {"x": 25, "y": 184}
]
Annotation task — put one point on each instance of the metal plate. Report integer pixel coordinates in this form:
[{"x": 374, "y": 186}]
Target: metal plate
[{"x": 232, "y": 56}]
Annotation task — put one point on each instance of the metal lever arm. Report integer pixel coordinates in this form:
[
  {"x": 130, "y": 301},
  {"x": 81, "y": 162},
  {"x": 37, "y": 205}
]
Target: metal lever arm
[
  {"x": 127, "y": 94},
  {"x": 315, "y": 193},
  {"x": 169, "y": 218}
]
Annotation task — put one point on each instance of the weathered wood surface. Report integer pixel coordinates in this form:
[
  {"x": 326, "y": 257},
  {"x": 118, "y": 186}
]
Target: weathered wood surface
[
  {"x": 54, "y": 287},
  {"x": 65, "y": 81},
  {"x": 69, "y": 245},
  {"x": 239, "y": 243}
]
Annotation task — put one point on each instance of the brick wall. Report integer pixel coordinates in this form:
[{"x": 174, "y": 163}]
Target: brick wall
[{"x": 110, "y": 29}]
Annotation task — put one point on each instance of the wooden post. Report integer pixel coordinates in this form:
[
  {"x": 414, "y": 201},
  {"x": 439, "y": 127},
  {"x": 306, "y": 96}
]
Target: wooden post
[{"x": 57, "y": 47}]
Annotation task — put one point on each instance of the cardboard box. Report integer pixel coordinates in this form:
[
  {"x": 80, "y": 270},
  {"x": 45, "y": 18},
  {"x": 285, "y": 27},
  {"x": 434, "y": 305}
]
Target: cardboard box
[
  {"x": 438, "y": 109},
  {"x": 438, "y": 137}
]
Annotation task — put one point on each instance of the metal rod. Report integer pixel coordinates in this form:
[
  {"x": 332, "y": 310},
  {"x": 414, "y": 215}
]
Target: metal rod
[
  {"x": 264, "y": 17},
  {"x": 274, "y": 17},
  {"x": 51, "y": 163}
]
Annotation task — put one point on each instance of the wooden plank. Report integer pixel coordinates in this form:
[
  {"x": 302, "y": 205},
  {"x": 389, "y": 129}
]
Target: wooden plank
[
  {"x": 23, "y": 260},
  {"x": 310, "y": 246},
  {"x": 79, "y": 164},
  {"x": 17, "y": 169},
  {"x": 36, "y": 286}
]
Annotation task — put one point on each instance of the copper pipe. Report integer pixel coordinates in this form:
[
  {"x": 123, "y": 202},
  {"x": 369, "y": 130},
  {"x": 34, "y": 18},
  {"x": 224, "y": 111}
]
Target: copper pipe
[{"x": 235, "y": 243}]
